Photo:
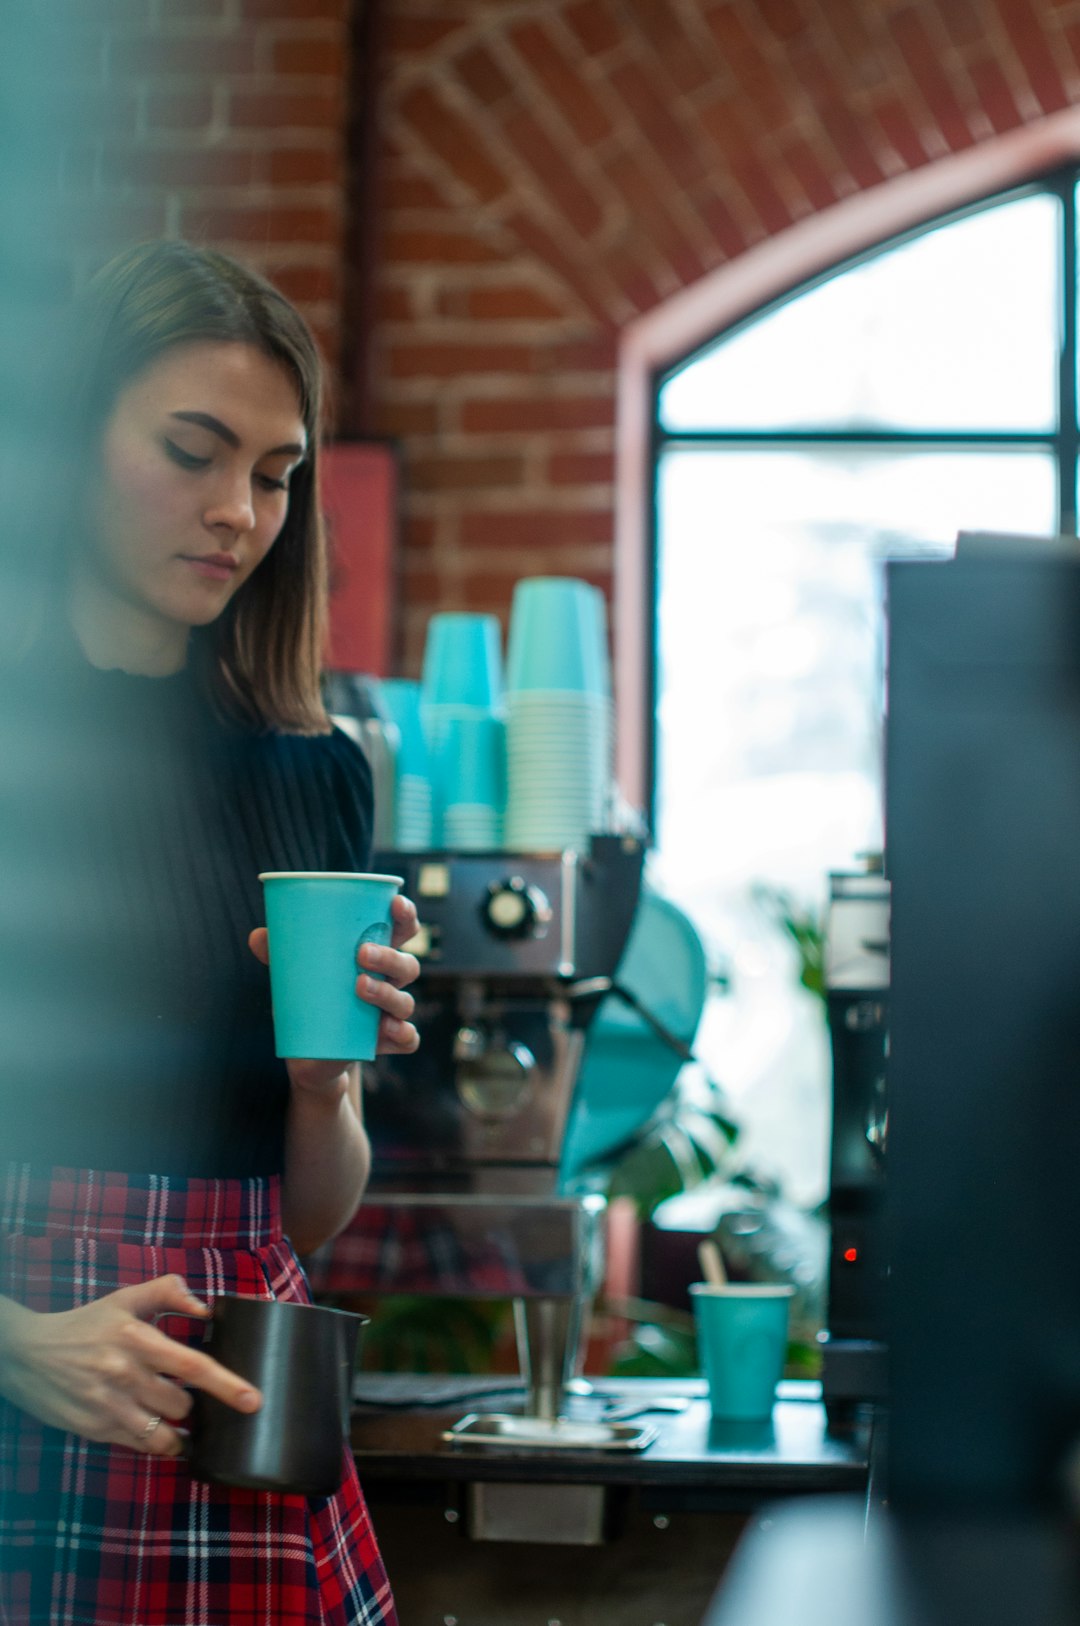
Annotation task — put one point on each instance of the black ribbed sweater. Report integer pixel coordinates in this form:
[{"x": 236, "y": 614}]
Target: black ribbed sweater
[{"x": 135, "y": 1027}]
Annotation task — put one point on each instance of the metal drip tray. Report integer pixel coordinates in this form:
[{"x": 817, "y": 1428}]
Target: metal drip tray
[{"x": 549, "y": 1434}]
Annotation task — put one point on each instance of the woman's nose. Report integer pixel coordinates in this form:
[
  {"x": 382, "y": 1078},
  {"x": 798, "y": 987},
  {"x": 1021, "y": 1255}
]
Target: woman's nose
[{"x": 232, "y": 506}]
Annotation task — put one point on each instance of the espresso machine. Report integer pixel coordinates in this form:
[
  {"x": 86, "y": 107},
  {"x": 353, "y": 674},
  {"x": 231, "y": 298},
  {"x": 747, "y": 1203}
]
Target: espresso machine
[
  {"x": 517, "y": 951},
  {"x": 857, "y": 988}
]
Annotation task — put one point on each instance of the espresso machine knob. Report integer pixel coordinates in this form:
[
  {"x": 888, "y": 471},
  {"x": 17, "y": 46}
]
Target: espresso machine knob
[{"x": 514, "y": 909}]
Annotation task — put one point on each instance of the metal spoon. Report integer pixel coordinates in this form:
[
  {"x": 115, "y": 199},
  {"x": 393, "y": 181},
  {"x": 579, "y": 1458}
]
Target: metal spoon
[{"x": 617, "y": 1411}]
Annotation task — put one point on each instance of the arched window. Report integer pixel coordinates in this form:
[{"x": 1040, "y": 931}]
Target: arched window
[{"x": 926, "y": 388}]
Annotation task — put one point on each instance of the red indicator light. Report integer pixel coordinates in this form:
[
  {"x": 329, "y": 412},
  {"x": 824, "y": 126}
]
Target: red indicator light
[{"x": 851, "y": 1254}]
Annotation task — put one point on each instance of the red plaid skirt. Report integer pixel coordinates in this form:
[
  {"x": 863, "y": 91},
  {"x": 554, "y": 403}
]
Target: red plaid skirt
[{"x": 95, "y": 1535}]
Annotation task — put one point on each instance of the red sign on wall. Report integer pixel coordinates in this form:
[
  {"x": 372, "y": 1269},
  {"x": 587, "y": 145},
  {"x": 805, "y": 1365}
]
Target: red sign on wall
[{"x": 359, "y": 499}]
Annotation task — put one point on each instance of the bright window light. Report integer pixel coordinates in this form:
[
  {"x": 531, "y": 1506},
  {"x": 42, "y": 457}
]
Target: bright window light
[
  {"x": 957, "y": 329},
  {"x": 770, "y": 625}
]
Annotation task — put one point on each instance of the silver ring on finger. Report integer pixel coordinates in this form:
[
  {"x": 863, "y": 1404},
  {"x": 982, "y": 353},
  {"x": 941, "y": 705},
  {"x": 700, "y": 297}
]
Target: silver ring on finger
[{"x": 148, "y": 1428}]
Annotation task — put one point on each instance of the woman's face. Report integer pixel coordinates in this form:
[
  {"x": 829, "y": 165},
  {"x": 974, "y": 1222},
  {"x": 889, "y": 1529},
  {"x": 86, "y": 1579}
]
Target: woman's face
[{"x": 196, "y": 459}]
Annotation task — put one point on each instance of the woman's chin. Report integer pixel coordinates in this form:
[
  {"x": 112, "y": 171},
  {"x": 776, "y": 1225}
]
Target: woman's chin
[{"x": 199, "y": 609}]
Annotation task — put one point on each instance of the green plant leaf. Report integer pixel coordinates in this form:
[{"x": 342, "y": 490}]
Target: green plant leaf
[
  {"x": 420, "y": 1334},
  {"x": 804, "y": 928},
  {"x": 656, "y": 1351}
]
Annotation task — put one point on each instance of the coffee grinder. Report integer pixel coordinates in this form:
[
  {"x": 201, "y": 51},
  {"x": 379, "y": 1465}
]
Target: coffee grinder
[{"x": 517, "y": 951}]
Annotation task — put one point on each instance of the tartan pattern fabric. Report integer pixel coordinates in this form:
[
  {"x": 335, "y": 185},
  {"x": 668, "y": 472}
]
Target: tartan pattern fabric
[
  {"x": 390, "y": 1248},
  {"x": 94, "y": 1535}
]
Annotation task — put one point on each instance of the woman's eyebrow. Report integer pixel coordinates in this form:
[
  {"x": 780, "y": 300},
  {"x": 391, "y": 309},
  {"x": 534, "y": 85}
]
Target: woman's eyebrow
[{"x": 205, "y": 421}]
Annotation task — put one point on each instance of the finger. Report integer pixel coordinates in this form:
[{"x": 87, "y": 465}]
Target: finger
[
  {"x": 397, "y": 1038},
  {"x": 214, "y": 1379},
  {"x": 151, "y": 1351},
  {"x": 152, "y": 1435},
  {"x": 398, "y": 968},
  {"x": 404, "y": 919},
  {"x": 199, "y": 1371},
  {"x": 160, "y": 1296},
  {"x": 394, "y": 1001},
  {"x": 259, "y": 944},
  {"x": 161, "y": 1397}
]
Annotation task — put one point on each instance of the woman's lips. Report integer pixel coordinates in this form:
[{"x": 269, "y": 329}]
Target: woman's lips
[{"x": 217, "y": 566}]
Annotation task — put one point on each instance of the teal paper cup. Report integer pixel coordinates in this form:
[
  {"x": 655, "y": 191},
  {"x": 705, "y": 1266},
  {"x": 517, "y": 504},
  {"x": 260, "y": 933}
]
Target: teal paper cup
[
  {"x": 463, "y": 661},
  {"x": 472, "y": 767},
  {"x": 557, "y": 640},
  {"x": 402, "y": 697},
  {"x": 317, "y": 921},
  {"x": 742, "y": 1332}
]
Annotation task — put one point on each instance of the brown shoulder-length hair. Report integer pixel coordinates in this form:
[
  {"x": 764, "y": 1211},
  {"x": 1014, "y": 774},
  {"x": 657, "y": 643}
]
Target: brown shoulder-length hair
[{"x": 261, "y": 659}]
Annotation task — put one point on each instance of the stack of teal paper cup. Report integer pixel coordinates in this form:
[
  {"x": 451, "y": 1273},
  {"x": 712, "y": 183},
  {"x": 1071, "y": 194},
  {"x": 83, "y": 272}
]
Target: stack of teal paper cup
[
  {"x": 473, "y": 783},
  {"x": 463, "y": 685},
  {"x": 559, "y": 715},
  {"x": 317, "y": 921},
  {"x": 414, "y": 828}
]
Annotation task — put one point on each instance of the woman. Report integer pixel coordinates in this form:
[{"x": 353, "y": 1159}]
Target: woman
[{"x": 163, "y": 742}]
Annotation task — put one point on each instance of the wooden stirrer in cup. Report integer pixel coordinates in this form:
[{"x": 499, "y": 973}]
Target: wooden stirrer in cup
[{"x": 712, "y": 1264}]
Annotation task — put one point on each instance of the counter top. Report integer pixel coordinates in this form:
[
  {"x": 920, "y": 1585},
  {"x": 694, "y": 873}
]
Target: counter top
[{"x": 398, "y": 1423}]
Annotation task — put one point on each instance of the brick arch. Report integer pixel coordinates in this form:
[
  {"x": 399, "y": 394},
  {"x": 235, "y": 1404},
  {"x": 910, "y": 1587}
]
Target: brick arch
[
  {"x": 687, "y": 321},
  {"x": 554, "y": 171}
]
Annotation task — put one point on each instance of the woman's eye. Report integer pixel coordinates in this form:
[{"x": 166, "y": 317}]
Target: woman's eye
[
  {"x": 268, "y": 483},
  {"x": 186, "y": 460}
]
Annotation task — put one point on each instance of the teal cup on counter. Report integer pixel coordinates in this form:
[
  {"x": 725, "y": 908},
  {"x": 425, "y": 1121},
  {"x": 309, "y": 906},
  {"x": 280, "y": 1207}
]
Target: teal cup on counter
[
  {"x": 317, "y": 921},
  {"x": 742, "y": 1332}
]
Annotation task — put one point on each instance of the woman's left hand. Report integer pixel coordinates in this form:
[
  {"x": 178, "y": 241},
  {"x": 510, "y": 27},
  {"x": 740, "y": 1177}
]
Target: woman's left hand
[{"x": 397, "y": 1035}]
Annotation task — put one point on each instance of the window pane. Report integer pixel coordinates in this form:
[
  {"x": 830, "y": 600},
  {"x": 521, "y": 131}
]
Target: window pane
[
  {"x": 957, "y": 329},
  {"x": 770, "y": 638}
]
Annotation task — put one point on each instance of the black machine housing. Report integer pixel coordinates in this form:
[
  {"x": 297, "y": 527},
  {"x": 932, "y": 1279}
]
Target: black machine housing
[
  {"x": 857, "y": 981},
  {"x": 517, "y": 951}
]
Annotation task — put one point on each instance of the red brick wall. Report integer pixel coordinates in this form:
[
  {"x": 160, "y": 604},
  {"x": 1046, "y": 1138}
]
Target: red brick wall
[
  {"x": 550, "y": 170},
  {"x": 546, "y": 171},
  {"x": 218, "y": 120}
]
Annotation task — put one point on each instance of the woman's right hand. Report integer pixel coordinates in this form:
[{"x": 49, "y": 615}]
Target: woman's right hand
[{"x": 106, "y": 1372}]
